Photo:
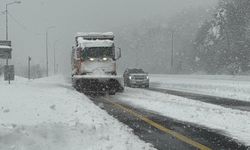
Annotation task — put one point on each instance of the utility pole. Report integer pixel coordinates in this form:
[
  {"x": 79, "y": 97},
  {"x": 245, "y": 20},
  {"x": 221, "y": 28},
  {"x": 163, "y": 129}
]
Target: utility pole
[
  {"x": 55, "y": 70},
  {"x": 47, "y": 57},
  {"x": 6, "y": 21},
  {"x": 136, "y": 58},
  {"x": 7, "y": 64},
  {"x": 6, "y": 15},
  {"x": 29, "y": 59},
  {"x": 172, "y": 50},
  {"x": 57, "y": 66},
  {"x": 54, "y": 59}
]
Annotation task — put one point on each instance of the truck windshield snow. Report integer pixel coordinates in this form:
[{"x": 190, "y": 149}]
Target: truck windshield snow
[{"x": 97, "y": 52}]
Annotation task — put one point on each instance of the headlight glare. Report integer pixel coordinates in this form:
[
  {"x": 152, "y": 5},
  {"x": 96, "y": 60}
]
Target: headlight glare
[{"x": 91, "y": 59}]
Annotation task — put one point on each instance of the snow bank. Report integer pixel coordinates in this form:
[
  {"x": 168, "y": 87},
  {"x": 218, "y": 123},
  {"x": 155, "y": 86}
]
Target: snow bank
[
  {"x": 236, "y": 87},
  {"x": 48, "y": 114},
  {"x": 233, "y": 123}
]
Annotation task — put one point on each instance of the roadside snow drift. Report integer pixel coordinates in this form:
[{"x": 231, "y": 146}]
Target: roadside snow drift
[
  {"x": 233, "y": 123},
  {"x": 236, "y": 87},
  {"x": 47, "y": 114}
]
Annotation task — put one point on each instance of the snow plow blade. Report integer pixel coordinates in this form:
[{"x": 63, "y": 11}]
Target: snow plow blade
[{"x": 98, "y": 84}]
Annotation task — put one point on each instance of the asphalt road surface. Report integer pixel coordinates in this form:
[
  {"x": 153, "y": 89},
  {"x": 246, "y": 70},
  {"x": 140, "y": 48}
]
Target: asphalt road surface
[{"x": 166, "y": 133}]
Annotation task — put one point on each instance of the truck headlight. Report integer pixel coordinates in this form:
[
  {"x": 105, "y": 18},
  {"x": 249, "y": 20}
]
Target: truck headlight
[
  {"x": 130, "y": 78},
  {"x": 104, "y": 58},
  {"x": 147, "y": 77}
]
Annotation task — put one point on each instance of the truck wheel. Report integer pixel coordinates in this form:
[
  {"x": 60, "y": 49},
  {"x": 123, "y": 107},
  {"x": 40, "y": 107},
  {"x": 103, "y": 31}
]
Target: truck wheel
[
  {"x": 113, "y": 86},
  {"x": 77, "y": 86}
]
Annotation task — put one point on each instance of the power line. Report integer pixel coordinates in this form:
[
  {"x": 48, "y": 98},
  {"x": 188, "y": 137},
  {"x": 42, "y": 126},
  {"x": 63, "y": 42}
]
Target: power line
[
  {"x": 20, "y": 24},
  {"x": 17, "y": 22}
]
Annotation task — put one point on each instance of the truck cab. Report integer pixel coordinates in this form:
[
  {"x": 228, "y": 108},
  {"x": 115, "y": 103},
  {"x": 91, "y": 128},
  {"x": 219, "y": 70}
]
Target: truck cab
[{"x": 94, "y": 59}]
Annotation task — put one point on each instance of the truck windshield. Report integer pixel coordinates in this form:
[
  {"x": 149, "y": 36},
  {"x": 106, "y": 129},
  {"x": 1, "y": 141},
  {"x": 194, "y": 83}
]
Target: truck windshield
[{"x": 97, "y": 52}]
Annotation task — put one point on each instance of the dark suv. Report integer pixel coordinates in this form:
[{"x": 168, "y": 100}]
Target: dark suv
[{"x": 136, "y": 78}]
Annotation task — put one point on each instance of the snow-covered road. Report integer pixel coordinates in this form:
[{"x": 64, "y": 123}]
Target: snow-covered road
[
  {"x": 233, "y": 123},
  {"x": 49, "y": 114}
]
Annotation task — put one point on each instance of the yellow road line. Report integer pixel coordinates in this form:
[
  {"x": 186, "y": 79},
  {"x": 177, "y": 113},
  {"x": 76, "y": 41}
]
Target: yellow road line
[{"x": 162, "y": 128}]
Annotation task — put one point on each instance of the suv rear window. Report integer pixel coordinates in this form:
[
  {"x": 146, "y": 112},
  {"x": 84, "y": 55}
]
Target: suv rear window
[{"x": 136, "y": 71}]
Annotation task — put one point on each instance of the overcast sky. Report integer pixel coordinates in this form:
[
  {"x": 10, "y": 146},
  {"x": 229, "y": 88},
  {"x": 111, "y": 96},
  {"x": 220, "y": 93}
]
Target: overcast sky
[{"x": 28, "y": 22}]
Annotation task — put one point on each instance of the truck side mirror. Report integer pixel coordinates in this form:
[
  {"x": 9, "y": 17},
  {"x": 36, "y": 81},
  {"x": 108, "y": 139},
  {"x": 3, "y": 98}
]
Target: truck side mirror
[{"x": 118, "y": 53}]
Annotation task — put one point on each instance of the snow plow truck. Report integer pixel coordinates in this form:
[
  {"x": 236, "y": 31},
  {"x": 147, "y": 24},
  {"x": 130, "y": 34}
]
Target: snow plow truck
[{"x": 94, "y": 58}]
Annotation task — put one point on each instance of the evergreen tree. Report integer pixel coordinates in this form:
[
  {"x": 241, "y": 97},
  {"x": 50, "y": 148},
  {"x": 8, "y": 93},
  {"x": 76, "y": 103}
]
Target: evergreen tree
[{"x": 222, "y": 43}]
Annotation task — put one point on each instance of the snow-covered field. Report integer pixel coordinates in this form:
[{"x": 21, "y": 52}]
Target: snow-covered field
[
  {"x": 236, "y": 87},
  {"x": 49, "y": 114},
  {"x": 233, "y": 123}
]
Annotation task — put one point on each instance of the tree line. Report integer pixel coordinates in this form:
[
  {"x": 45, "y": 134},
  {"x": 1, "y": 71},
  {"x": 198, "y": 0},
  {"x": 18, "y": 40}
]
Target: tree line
[{"x": 222, "y": 44}]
